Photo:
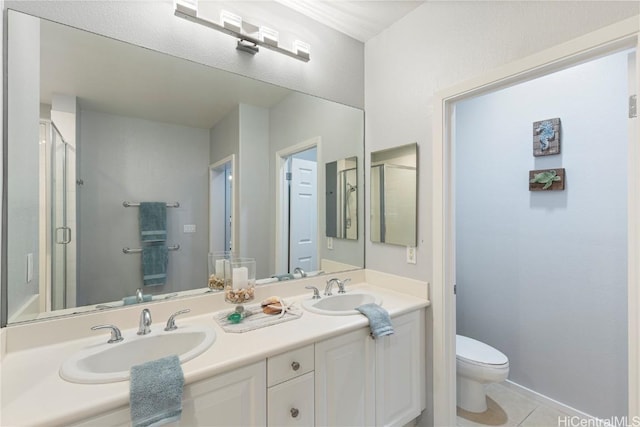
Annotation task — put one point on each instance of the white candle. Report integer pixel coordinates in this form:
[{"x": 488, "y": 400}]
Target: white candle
[
  {"x": 220, "y": 268},
  {"x": 240, "y": 277}
]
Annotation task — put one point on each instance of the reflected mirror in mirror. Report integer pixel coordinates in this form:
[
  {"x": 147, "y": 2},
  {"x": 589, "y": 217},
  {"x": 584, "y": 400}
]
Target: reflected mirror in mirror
[
  {"x": 394, "y": 196},
  {"x": 342, "y": 198},
  {"x": 94, "y": 122}
]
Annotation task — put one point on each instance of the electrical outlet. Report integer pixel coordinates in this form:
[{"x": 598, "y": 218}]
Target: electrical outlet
[
  {"x": 189, "y": 228},
  {"x": 411, "y": 255},
  {"x": 329, "y": 242}
]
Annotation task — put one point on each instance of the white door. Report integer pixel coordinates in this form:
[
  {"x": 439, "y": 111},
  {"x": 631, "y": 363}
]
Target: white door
[{"x": 303, "y": 215}]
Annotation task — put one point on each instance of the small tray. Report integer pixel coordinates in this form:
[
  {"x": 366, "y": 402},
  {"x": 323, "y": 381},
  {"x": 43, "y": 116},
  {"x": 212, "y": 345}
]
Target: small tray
[{"x": 256, "y": 319}]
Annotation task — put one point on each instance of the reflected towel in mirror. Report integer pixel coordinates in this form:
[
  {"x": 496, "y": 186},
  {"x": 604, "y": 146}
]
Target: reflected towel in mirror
[
  {"x": 154, "y": 264},
  {"x": 153, "y": 222}
]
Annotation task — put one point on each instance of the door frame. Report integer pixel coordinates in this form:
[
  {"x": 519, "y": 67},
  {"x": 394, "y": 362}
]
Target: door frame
[
  {"x": 609, "y": 39},
  {"x": 234, "y": 201},
  {"x": 282, "y": 236}
]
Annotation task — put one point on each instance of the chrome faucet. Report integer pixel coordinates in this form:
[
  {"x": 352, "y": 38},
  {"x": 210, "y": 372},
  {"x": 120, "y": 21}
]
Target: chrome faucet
[
  {"x": 171, "y": 323},
  {"x": 145, "y": 322},
  {"x": 139, "y": 297},
  {"x": 301, "y": 271},
  {"x": 340, "y": 283}
]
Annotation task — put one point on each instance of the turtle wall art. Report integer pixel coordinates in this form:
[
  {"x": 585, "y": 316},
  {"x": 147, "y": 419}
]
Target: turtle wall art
[
  {"x": 546, "y": 137},
  {"x": 546, "y": 179}
]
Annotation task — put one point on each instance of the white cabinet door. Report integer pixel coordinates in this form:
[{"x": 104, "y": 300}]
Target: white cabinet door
[
  {"x": 291, "y": 403},
  {"x": 344, "y": 380},
  {"x": 400, "y": 371},
  {"x": 120, "y": 417},
  {"x": 236, "y": 398}
]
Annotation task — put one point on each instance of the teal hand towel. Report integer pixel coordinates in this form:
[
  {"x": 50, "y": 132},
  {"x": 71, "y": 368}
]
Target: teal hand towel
[
  {"x": 379, "y": 321},
  {"x": 133, "y": 300},
  {"x": 282, "y": 277},
  {"x": 153, "y": 222},
  {"x": 155, "y": 392},
  {"x": 154, "y": 264}
]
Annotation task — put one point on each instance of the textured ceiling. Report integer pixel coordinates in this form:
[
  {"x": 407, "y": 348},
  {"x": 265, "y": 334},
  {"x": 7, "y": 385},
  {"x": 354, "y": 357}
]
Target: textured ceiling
[{"x": 360, "y": 19}]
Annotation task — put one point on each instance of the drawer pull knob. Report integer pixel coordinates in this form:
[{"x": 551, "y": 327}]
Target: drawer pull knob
[
  {"x": 295, "y": 366},
  {"x": 294, "y": 412}
]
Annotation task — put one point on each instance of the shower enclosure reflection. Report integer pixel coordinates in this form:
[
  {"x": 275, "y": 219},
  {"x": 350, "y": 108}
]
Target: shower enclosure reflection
[
  {"x": 394, "y": 196},
  {"x": 342, "y": 198},
  {"x": 56, "y": 222}
]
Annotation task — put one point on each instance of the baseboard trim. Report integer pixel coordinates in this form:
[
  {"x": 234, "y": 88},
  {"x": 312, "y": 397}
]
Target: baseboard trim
[{"x": 542, "y": 399}]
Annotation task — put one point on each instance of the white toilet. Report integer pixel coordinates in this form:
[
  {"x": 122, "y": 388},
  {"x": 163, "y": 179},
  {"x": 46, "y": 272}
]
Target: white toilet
[{"x": 477, "y": 364}]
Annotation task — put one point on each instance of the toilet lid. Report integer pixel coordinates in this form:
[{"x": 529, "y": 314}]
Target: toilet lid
[{"x": 478, "y": 352}]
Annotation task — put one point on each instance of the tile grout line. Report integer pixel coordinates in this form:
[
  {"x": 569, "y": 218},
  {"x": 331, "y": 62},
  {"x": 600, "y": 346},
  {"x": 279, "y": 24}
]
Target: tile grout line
[{"x": 528, "y": 415}]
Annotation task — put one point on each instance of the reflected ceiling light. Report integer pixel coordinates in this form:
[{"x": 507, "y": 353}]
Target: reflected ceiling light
[{"x": 249, "y": 41}]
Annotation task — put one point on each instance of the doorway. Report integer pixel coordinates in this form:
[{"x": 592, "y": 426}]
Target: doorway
[
  {"x": 222, "y": 206},
  {"x": 529, "y": 262},
  {"x": 610, "y": 39},
  {"x": 297, "y": 235}
]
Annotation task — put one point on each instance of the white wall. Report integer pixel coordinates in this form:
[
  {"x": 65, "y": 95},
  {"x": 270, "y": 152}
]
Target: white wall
[
  {"x": 131, "y": 159},
  {"x": 542, "y": 275},
  {"x": 255, "y": 198},
  {"x": 334, "y": 73},
  {"x": 436, "y": 46},
  {"x": 22, "y": 191}
]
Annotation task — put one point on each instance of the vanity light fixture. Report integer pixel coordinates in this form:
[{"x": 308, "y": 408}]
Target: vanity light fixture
[
  {"x": 231, "y": 21},
  {"x": 188, "y": 7},
  {"x": 269, "y": 36},
  {"x": 233, "y": 24},
  {"x": 301, "y": 48}
]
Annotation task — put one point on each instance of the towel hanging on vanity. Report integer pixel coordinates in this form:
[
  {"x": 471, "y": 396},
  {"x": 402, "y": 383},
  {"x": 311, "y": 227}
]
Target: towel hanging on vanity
[{"x": 155, "y": 392}]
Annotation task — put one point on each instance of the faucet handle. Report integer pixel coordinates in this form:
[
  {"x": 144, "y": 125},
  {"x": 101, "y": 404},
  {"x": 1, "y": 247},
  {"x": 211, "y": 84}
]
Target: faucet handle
[
  {"x": 171, "y": 323},
  {"x": 316, "y": 292},
  {"x": 116, "y": 336},
  {"x": 341, "y": 284}
]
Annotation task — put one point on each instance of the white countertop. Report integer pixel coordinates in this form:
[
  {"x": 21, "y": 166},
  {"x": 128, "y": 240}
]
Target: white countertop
[{"x": 34, "y": 394}]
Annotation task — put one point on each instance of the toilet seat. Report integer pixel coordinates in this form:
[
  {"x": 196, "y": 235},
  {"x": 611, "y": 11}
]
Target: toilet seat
[{"x": 478, "y": 353}]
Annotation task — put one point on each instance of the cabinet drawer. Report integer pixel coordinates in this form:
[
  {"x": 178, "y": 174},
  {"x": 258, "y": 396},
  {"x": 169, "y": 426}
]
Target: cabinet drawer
[
  {"x": 291, "y": 403},
  {"x": 289, "y": 365}
]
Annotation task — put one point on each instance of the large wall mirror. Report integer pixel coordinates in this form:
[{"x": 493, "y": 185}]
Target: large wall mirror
[
  {"x": 394, "y": 179},
  {"x": 96, "y": 126}
]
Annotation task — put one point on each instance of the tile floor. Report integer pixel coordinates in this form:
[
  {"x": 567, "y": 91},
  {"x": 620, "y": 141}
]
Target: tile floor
[{"x": 507, "y": 407}]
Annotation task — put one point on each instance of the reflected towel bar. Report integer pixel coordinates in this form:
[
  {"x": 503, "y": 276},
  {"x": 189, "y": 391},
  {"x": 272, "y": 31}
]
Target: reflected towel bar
[
  {"x": 137, "y": 204},
  {"x": 137, "y": 251}
]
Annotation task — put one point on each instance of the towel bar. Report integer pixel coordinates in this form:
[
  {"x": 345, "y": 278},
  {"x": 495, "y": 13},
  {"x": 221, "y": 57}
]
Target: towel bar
[
  {"x": 139, "y": 250},
  {"x": 137, "y": 204}
]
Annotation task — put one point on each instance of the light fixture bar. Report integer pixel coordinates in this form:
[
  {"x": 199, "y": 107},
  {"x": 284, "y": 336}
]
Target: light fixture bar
[{"x": 240, "y": 36}]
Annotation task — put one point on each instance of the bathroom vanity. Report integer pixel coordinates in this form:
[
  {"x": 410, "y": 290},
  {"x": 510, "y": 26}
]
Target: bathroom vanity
[{"x": 315, "y": 370}]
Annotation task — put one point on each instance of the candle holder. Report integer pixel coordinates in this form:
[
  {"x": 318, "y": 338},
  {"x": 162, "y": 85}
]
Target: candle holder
[
  {"x": 216, "y": 269},
  {"x": 240, "y": 280}
]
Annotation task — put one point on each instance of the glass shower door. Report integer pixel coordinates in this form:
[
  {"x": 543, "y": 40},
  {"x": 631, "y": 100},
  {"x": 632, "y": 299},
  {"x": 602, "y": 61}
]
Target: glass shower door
[{"x": 61, "y": 236}]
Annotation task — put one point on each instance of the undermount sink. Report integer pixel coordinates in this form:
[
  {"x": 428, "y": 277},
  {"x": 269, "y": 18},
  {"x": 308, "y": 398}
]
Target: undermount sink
[
  {"x": 105, "y": 363},
  {"x": 340, "y": 304}
]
